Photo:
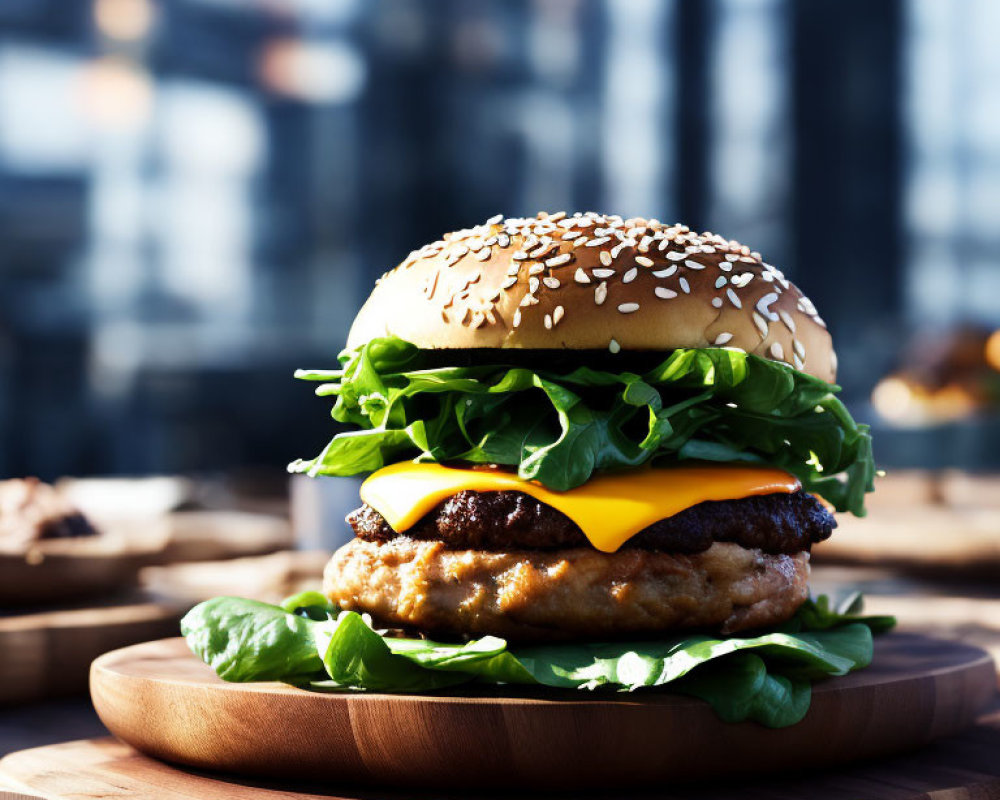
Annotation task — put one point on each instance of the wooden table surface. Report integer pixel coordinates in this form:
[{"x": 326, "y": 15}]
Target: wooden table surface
[
  {"x": 961, "y": 609},
  {"x": 964, "y": 767}
]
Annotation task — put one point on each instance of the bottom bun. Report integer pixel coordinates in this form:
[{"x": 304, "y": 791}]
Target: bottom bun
[{"x": 579, "y": 593}]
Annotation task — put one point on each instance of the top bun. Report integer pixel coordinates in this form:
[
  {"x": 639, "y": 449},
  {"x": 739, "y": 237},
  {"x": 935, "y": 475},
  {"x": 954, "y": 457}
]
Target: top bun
[{"x": 590, "y": 281}]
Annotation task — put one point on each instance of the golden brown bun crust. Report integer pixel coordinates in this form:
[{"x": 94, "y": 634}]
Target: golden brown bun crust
[
  {"x": 593, "y": 282},
  {"x": 577, "y": 593}
]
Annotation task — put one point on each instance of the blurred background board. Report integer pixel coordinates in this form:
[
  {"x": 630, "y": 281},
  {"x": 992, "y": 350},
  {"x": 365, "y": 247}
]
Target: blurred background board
[
  {"x": 924, "y": 521},
  {"x": 48, "y": 654},
  {"x": 69, "y": 570}
]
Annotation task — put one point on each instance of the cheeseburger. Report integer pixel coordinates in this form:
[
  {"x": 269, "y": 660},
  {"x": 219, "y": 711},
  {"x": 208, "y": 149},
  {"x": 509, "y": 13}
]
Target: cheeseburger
[{"x": 583, "y": 427}]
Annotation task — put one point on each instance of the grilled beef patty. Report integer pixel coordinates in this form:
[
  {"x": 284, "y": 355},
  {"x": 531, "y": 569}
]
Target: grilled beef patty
[{"x": 501, "y": 521}]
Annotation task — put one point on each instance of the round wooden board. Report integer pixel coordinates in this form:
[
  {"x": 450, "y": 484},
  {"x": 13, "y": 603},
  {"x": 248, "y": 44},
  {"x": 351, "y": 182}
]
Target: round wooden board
[{"x": 163, "y": 701}]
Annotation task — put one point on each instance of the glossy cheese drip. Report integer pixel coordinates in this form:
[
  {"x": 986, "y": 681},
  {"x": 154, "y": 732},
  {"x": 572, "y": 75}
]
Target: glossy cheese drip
[{"x": 609, "y": 509}]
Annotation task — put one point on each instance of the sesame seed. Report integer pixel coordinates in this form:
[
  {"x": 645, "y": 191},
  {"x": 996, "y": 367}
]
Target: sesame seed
[
  {"x": 778, "y": 351},
  {"x": 663, "y": 293},
  {"x": 598, "y": 241},
  {"x": 548, "y": 321},
  {"x": 614, "y": 347},
  {"x": 733, "y": 298},
  {"x": 665, "y": 273},
  {"x": 518, "y": 255},
  {"x": 693, "y": 264},
  {"x": 723, "y": 338},
  {"x": 629, "y": 276},
  {"x": 579, "y": 242},
  {"x": 764, "y": 306},
  {"x": 536, "y": 269},
  {"x": 528, "y": 300},
  {"x": 482, "y": 254},
  {"x": 644, "y": 261},
  {"x": 508, "y": 282},
  {"x": 478, "y": 319},
  {"x": 557, "y": 314},
  {"x": 503, "y": 240},
  {"x": 787, "y": 319},
  {"x": 720, "y": 281},
  {"x": 761, "y": 324},
  {"x": 601, "y": 293},
  {"x": 798, "y": 362},
  {"x": 602, "y": 273},
  {"x": 717, "y": 302},
  {"x": 606, "y": 258},
  {"x": 580, "y": 276},
  {"x": 725, "y": 266},
  {"x": 491, "y": 316},
  {"x": 819, "y": 321},
  {"x": 532, "y": 285},
  {"x": 557, "y": 261},
  {"x": 616, "y": 250},
  {"x": 494, "y": 220},
  {"x": 732, "y": 257},
  {"x": 542, "y": 249},
  {"x": 799, "y": 348},
  {"x": 676, "y": 256},
  {"x": 571, "y": 235},
  {"x": 513, "y": 269},
  {"x": 552, "y": 283},
  {"x": 517, "y": 317},
  {"x": 685, "y": 286}
]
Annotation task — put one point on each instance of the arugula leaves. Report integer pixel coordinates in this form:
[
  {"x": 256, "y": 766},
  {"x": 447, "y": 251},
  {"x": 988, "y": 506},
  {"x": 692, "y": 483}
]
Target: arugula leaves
[
  {"x": 308, "y": 642},
  {"x": 708, "y": 404}
]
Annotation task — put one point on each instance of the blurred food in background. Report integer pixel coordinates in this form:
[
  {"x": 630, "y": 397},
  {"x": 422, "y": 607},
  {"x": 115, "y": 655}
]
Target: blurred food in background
[
  {"x": 945, "y": 377},
  {"x": 75, "y": 567},
  {"x": 32, "y": 511}
]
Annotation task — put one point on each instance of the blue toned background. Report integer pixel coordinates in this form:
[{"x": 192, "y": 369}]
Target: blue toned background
[{"x": 196, "y": 195}]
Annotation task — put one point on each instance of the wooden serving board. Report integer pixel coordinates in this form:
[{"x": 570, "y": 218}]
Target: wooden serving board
[
  {"x": 48, "y": 653},
  {"x": 167, "y": 704}
]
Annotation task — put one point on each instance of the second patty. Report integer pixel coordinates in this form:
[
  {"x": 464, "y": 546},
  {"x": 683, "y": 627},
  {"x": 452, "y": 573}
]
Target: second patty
[{"x": 499, "y": 521}]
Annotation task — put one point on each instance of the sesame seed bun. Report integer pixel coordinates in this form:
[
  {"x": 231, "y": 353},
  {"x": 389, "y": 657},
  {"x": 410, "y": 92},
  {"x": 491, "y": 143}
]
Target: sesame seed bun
[{"x": 590, "y": 281}]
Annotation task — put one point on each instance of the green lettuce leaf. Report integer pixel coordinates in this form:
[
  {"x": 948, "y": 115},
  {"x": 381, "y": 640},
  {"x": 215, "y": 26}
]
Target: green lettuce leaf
[
  {"x": 710, "y": 404},
  {"x": 765, "y": 678}
]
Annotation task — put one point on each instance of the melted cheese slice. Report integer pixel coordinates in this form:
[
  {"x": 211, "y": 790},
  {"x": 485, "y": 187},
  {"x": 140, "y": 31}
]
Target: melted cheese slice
[{"x": 610, "y": 509}]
